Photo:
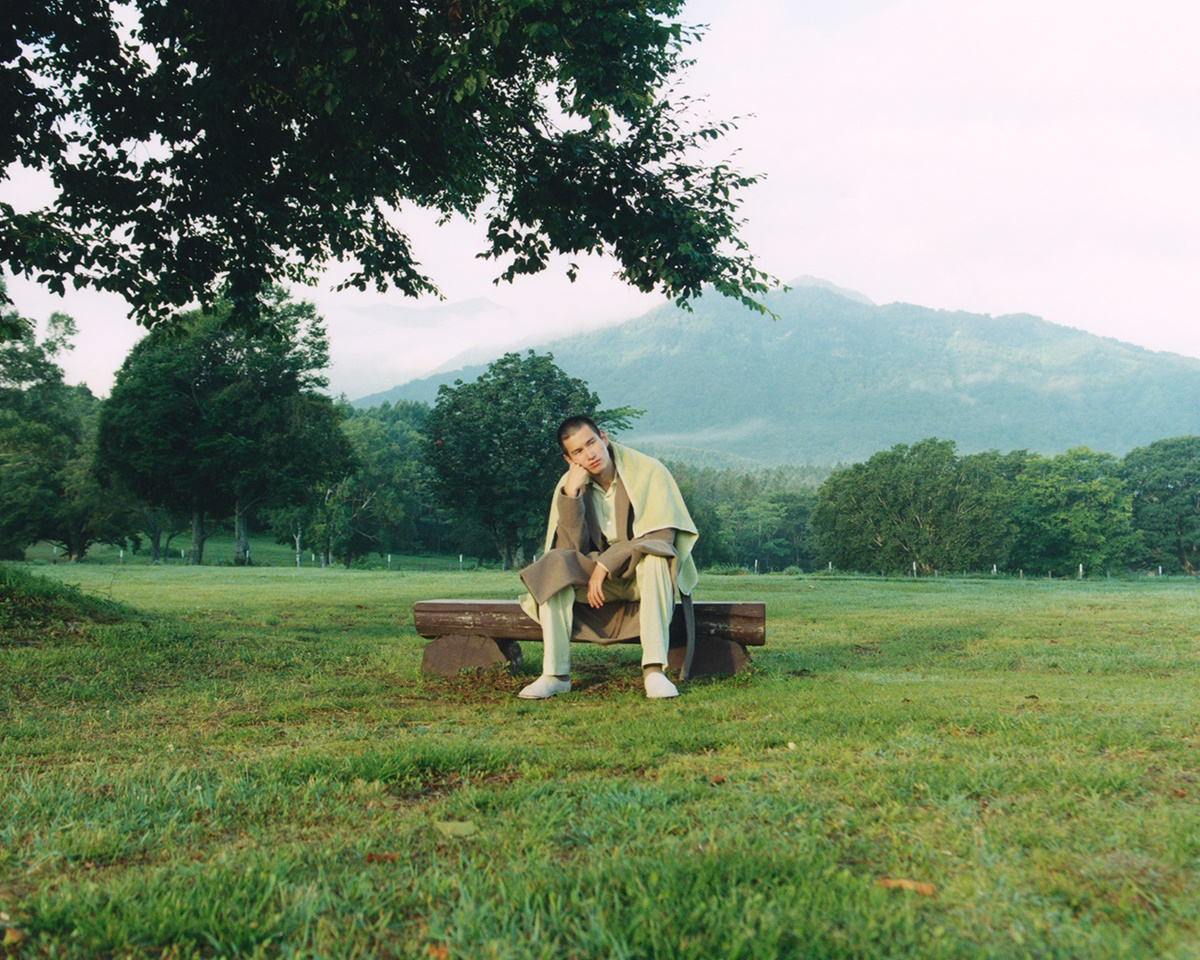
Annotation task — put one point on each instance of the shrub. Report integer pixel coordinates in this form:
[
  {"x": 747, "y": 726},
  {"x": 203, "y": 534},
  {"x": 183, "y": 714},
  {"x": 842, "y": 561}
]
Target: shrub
[{"x": 726, "y": 570}]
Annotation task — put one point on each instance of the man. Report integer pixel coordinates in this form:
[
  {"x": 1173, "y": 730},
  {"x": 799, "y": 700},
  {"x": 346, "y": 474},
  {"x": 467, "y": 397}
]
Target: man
[{"x": 619, "y": 533}]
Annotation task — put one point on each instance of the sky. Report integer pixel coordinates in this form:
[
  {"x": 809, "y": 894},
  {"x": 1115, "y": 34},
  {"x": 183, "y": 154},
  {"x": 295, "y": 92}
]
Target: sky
[{"x": 995, "y": 156}]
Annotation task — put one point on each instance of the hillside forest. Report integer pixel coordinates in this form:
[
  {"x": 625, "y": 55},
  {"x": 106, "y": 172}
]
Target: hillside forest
[
  {"x": 209, "y": 428},
  {"x": 857, "y": 378}
]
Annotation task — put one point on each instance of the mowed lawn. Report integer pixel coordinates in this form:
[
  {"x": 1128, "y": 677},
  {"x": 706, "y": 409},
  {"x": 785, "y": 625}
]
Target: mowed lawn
[{"x": 217, "y": 762}]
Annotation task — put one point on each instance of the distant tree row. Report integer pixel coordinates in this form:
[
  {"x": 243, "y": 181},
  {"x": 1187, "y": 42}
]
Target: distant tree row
[
  {"x": 760, "y": 520},
  {"x": 925, "y": 508},
  {"x": 210, "y": 426},
  {"x": 206, "y": 423}
]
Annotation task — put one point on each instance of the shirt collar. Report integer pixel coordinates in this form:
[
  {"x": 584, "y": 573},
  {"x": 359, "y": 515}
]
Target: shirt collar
[{"x": 612, "y": 488}]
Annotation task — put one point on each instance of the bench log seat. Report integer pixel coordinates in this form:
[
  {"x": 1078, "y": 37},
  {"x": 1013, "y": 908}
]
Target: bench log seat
[{"x": 475, "y": 634}]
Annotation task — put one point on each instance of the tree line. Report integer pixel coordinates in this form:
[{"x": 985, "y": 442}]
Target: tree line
[
  {"x": 924, "y": 508},
  {"x": 214, "y": 426}
]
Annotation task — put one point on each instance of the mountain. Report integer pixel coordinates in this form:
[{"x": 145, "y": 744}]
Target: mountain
[
  {"x": 426, "y": 388},
  {"x": 837, "y": 378}
]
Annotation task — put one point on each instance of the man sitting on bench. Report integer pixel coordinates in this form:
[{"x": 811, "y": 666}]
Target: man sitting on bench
[{"x": 620, "y": 541}]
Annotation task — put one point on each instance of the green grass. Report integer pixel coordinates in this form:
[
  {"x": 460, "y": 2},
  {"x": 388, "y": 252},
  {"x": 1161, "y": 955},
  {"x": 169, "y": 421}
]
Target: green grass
[{"x": 216, "y": 762}]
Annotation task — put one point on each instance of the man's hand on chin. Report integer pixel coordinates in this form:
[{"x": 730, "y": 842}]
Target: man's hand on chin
[
  {"x": 596, "y": 587},
  {"x": 577, "y": 479}
]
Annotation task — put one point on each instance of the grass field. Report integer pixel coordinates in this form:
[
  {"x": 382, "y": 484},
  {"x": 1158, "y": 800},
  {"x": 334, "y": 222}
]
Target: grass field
[{"x": 217, "y": 761}]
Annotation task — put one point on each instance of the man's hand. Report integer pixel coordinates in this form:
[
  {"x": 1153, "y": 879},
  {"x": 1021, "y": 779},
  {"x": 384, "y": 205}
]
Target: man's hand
[
  {"x": 596, "y": 587},
  {"x": 577, "y": 479}
]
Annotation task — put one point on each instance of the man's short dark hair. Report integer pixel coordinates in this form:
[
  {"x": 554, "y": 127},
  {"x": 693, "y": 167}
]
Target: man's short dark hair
[{"x": 572, "y": 425}]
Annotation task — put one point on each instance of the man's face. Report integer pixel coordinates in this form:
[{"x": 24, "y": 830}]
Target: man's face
[{"x": 589, "y": 450}]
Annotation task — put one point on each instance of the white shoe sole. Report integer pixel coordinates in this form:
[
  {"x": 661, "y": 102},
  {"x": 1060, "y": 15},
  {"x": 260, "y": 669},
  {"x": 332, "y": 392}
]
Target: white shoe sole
[{"x": 543, "y": 688}]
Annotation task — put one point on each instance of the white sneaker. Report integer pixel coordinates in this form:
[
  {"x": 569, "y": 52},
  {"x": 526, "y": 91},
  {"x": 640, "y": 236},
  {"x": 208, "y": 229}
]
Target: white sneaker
[
  {"x": 658, "y": 687},
  {"x": 544, "y": 687}
]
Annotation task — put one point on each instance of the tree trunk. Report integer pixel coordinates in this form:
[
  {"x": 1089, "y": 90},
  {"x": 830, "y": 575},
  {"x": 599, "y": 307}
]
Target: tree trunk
[
  {"x": 241, "y": 534},
  {"x": 153, "y": 531},
  {"x": 79, "y": 544},
  {"x": 296, "y": 532},
  {"x": 505, "y": 549},
  {"x": 196, "y": 555}
]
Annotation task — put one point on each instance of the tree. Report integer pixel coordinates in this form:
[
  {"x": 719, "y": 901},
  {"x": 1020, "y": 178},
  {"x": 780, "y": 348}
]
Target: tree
[
  {"x": 155, "y": 523},
  {"x": 208, "y": 421},
  {"x": 492, "y": 447},
  {"x": 288, "y": 434},
  {"x": 702, "y": 503},
  {"x": 763, "y": 516},
  {"x": 47, "y": 447},
  {"x": 791, "y": 542},
  {"x": 374, "y": 507},
  {"x": 1164, "y": 480},
  {"x": 82, "y": 512},
  {"x": 1073, "y": 509},
  {"x": 920, "y": 505},
  {"x": 159, "y": 434},
  {"x": 215, "y": 148}
]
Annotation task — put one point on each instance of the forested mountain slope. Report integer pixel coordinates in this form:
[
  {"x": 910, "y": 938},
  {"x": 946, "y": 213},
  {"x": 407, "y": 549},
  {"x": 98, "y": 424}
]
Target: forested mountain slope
[{"x": 836, "y": 378}]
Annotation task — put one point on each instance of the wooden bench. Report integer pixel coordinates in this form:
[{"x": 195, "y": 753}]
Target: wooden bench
[{"x": 474, "y": 634}]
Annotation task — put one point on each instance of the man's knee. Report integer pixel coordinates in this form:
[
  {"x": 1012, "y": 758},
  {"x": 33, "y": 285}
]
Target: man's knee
[
  {"x": 562, "y": 599},
  {"x": 652, "y": 566}
]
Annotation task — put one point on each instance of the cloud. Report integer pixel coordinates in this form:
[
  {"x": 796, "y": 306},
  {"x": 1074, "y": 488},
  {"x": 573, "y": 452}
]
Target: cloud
[{"x": 994, "y": 156}]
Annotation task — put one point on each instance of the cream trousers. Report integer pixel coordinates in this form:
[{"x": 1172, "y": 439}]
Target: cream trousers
[{"x": 651, "y": 585}]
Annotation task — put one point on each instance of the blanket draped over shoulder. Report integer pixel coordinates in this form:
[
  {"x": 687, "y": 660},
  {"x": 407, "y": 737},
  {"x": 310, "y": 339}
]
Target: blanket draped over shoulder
[{"x": 660, "y": 526}]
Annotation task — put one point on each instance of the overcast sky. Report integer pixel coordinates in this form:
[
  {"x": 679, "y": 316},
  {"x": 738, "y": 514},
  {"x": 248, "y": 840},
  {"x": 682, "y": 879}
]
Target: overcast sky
[{"x": 997, "y": 156}]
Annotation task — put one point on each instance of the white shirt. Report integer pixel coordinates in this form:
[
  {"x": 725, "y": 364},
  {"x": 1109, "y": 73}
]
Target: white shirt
[{"x": 605, "y": 504}]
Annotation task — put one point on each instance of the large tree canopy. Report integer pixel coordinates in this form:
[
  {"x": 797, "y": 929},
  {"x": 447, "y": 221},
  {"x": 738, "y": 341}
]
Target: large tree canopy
[
  {"x": 1073, "y": 509},
  {"x": 1164, "y": 480},
  {"x": 210, "y": 147},
  {"x": 921, "y": 507}
]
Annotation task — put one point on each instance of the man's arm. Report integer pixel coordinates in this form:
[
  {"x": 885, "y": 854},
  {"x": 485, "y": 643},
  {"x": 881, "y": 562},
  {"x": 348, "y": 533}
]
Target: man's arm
[
  {"x": 571, "y": 532},
  {"x": 621, "y": 558}
]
